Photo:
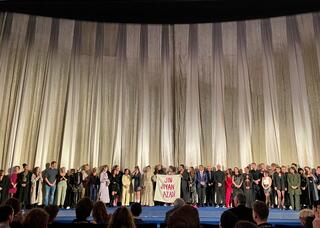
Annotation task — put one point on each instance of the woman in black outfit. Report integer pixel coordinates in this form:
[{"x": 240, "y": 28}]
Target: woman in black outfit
[
  {"x": 136, "y": 180},
  {"x": 248, "y": 186},
  {"x": 68, "y": 203},
  {"x": 279, "y": 183},
  {"x": 114, "y": 188},
  {"x": 304, "y": 198},
  {"x": 4, "y": 187}
]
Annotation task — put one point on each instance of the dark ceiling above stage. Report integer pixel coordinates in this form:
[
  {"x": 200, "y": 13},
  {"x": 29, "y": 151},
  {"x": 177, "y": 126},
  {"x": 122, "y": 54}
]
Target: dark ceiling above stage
[{"x": 160, "y": 11}]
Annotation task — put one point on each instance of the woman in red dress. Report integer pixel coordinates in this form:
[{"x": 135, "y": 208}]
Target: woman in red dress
[
  {"x": 228, "y": 187},
  {"x": 14, "y": 181}
]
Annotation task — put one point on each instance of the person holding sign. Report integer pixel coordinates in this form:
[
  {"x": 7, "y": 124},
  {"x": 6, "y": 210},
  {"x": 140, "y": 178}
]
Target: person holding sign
[
  {"x": 202, "y": 180},
  {"x": 184, "y": 183}
]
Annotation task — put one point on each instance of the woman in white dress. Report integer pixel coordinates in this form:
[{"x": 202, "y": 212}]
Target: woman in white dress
[
  {"x": 147, "y": 186},
  {"x": 104, "y": 185},
  {"x": 36, "y": 187}
]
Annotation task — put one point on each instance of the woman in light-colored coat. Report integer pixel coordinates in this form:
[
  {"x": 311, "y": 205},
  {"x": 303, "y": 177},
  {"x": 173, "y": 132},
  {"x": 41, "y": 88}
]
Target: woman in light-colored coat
[
  {"x": 36, "y": 187},
  {"x": 147, "y": 186},
  {"x": 104, "y": 185}
]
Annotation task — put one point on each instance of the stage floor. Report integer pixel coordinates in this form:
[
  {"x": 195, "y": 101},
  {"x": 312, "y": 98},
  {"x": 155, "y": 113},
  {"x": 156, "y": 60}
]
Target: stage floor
[{"x": 208, "y": 215}]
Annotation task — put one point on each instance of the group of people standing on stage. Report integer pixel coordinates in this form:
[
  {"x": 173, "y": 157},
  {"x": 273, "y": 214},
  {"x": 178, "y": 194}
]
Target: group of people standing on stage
[
  {"x": 279, "y": 186},
  {"x": 282, "y": 187}
]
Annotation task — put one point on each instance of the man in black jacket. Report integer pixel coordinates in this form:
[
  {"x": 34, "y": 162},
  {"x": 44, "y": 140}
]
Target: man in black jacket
[
  {"x": 76, "y": 185},
  {"x": 210, "y": 187},
  {"x": 4, "y": 186},
  {"x": 184, "y": 183},
  {"x": 24, "y": 185},
  {"x": 219, "y": 181},
  {"x": 256, "y": 175}
]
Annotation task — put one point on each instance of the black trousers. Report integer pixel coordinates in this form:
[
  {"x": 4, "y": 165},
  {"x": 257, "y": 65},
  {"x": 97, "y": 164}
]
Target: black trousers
[
  {"x": 201, "y": 194},
  {"x": 209, "y": 195},
  {"x": 221, "y": 195},
  {"x": 24, "y": 196}
]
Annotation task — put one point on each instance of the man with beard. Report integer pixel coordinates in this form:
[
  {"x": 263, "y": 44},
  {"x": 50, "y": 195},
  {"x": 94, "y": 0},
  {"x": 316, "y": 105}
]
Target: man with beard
[{"x": 50, "y": 181}]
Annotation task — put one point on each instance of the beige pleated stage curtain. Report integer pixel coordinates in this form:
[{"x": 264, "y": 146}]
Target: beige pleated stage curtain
[{"x": 130, "y": 94}]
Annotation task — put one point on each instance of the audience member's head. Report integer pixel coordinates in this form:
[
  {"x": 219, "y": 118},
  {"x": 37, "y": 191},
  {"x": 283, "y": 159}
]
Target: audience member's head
[
  {"x": 15, "y": 204},
  {"x": 306, "y": 217},
  {"x": 83, "y": 209},
  {"x": 18, "y": 216},
  {"x": 239, "y": 199},
  {"x": 52, "y": 211},
  {"x": 185, "y": 216},
  {"x": 245, "y": 224},
  {"x": 136, "y": 209},
  {"x": 228, "y": 219},
  {"x": 6, "y": 215},
  {"x": 99, "y": 213},
  {"x": 36, "y": 217},
  {"x": 179, "y": 202},
  {"x": 260, "y": 212},
  {"x": 122, "y": 217},
  {"x": 309, "y": 222}
]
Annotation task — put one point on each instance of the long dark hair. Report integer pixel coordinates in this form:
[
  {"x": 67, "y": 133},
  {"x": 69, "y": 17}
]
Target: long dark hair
[
  {"x": 122, "y": 217},
  {"x": 137, "y": 170},
  {"x": 99, "y": 213}
]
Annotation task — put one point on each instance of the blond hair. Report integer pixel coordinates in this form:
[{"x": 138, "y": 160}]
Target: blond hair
[{"x": 306, "y": 213}]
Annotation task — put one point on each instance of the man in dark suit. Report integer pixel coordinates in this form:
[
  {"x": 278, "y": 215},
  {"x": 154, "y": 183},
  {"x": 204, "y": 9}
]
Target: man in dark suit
[
  {"x": 240, "y": 209},
  {"x": 24, "y": 186},
  {"x": 202, "y": 180},
  {"x": 256, "y": 175},
  {"x": 219, "y": 181},
  {"x": 210, "y": 187},
  {"x": 184, "y": 183},
  {"x": 76, "y": 183}
]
